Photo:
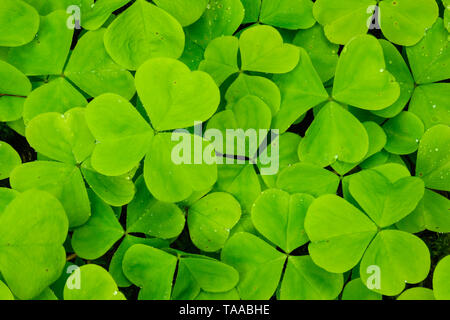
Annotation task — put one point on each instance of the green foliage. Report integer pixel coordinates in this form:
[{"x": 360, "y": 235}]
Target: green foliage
[{"x": 120, "y": 178}]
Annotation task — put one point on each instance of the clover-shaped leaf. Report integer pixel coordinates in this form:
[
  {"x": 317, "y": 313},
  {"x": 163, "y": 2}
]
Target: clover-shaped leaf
[
  {"x": 361, "y": 77},
  {"x": 441, "y": 279},
  {"x": 357, "y": 290},
  {"x": 417, "y": 293},
  {"x": 122, "y": 135},
  {"x": 147, "y": 215},
  {"x": 288, "y": 14},
  {"x": 19, "y": 23},
  {"x": 433, "y": 164},
  {"x": 99, "y": 233},
  {"x": 173, "y": 96},
  {"x": 163, "y": 35},
  {"x": 403, "y": 133},
  {"x": 279, "y": 217},
  {"x": 56, "y": 96},
  {"x": 92, "y": 69},
  {"x": 400, "y": 256},
  {"x": 323, "y": 53},
  {"x": 95, "y": 284},
  {"x": 307, "y": 178},
  {"x": 263, "y": 50},
  {"x": 339, "y": 233},
  {"x": 221, "y": 58},
  {"x": 186, "y": 12},
  {"x": 9, "y": 158},
  {"x": 172, "y": 182},
  {"x": 32, "y": 255},
  {"x": 386, "y": 202},
  {"x": 210, "y": 220},
  {"x": 14, "y": 87},
  {"x": 5, "y": 293},
  {"x": 334, "y": 134},
  {"x": 48, "y": 51}
]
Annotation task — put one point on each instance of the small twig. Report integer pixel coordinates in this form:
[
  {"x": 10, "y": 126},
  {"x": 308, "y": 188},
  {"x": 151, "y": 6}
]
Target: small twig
[
  {"x": 11, "y": 95},
  {"x": 71, "y": 257}
]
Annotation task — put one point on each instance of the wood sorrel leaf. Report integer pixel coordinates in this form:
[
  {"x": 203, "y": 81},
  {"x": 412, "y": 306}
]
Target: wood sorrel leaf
[
  {"x": 141, "y": 32},
  {"x": 32, "y": 230},
  {"x": 263, "y": 50},
  {"x": 403, "y": 133},
  {"x": 361, "y": 78},
  {"x": 92, "y": 69},
  {"x": 185, "y": 11},
  {"x": 19, "y": 23},
  {"x": 47, "y": 53},
  {"x": 122, "y": 135},
  {"x": 210, "y": 220},
  {"x": 334, "y": 134},
  {"x": 254, "y": 259},
  {"x": 288, "y": 14},
  {"x": 339, "y": 233},
  {"x": 9, "y": 158},
  {"x": 173, "y": 96},
  {"x": 401, "y": 258},
  {"x": 95, "y": 284},
  {"x": 279, "y": 217},
  {"x": 441, "y": 279},
  {"x": 433, "y": 158}
]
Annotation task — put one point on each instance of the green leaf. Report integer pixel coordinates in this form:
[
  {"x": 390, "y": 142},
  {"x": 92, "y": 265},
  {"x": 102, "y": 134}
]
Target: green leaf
[
  {"x": 433, "y": 158},
  {"x": 430, "y": 103},
  {"x": 7, "y": 195},
  {"x": 260, "y": 87},
  {"x": 279, "y": 217},
  {"x": 307, "y": 178},
  {"x": 95, "y": 284},
  {"x": 323, "y": 53},
  {"x": 33, "y": 228},
  {"x": 303, "y": 280},
  {"x": 9, "y": 158},
  {"x": 386, "y": 203},
  {"x": 241, "y": 181},
  {"x": 398, "y": 68},
  {"x": 122, "y": 135},
  {"x": 94, "y": 238},
  {"x": 19, "y": 23},
  {"x": 254, "y": 259},
  {"x": 186, "y": 12},
  {"x": 56, "y": 96},
  {"x": 5, "y": 293},
  {"x": 63, "y": 137},
  {"x": 288, "y": 14},
  {"x": 334, "y": 134},
  {"x": 173, "y": 96},
  {"x": 48, "y": 51},
  {"x": 64, "y": 181},
  {"x": 301, "y": 89},
  {"x": 441, "y": 279},
  {"x": 403, "y": 133},
  {"x": 221, "y": 18},
  {"x": 150, "y": 269},
  {"x": 210, "y": 220},
  {"x": 115, "y": 191},
  {"x": 142, "y": 32},
  {"x": 221, "y": 58},
  {"x": 115, "y": 267},
  {"x": 92, "y": 69},
  {"x": 431, "y": 213},
  {"x": 94, "y": 15},
  {"x": 252, "y": 10},
  {"x": 14, "y": 87},
  {"x": 430, "y": 58},
  {"x": 403, "y": 22},
  {"x": 417, "y": 293},
  {"x": 361, "y": 77},
  {"x": 229, "y": 295},
  {"x": 147, "y": 215},
  {"x": 263, "y": 50},
  {"x": 343, "y": 20},
  {"x": 339, "y": 233},
  {"x": 401, "y": 257},
  {"x": 197, "y": 274},
  {"x": 171, "y": 182},
  {"x": 356, "y": 290}
]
